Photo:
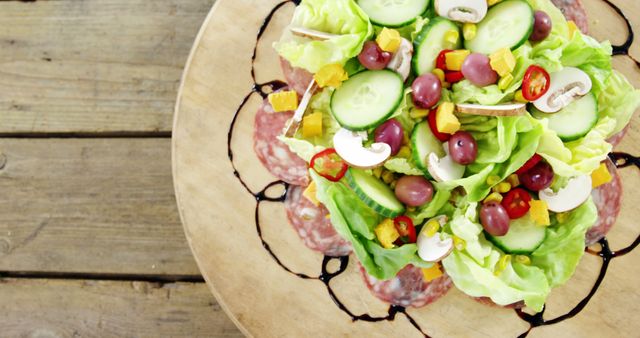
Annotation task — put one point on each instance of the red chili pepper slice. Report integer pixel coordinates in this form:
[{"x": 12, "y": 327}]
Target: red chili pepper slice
[
  {"x": 529, "y": 164},
  {"x": 441, "y": 60},
  {"x": 329, "y": 165},
  {"x": 516, "y": 202},
  {"x": 453, "y": 77},
  {"x": 434, "y": 127},
  {"x": 405, "y": 227},
  {"x": 536, "y": 83}
]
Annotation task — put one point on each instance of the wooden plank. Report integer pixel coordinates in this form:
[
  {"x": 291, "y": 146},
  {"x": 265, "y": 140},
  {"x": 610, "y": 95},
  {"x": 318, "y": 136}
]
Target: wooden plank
[
  {"x": 102, "y": 206},
  {"x": 93, "y": 66},
  {"x": 76, "y": 308}
]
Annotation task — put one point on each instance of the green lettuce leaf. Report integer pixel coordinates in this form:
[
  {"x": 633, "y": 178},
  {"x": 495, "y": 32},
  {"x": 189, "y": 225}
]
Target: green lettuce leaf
[
  {"x": 618, "y": 100},
  {"x": 402, "y": 166}
]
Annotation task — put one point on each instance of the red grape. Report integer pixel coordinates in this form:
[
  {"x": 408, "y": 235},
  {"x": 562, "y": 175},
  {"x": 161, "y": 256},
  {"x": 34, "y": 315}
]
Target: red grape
[
  {"x": 373, "y": 57},
  {"x": 427, "y": 91},
  {"x": 463, "y": 148},
  {"x": 538, "y": 178},
  {"x": 414, "y": 191},
  {"x": 477, "y": 69},
  {"x": 494, "y": 219},
  {"x": 391, "y": 133},
  {"x": 541, "y": 27}
]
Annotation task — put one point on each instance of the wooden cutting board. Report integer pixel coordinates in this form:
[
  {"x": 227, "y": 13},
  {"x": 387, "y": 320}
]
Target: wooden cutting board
[{"x": 264, "y": 299}]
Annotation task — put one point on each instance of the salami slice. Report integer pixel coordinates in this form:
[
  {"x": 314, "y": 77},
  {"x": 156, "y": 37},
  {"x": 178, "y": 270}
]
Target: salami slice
[
  {"x": 274, "y": 154},
  {"x": 312, "y": 224},
  {"x": 608, "y": 198},
  {"x": 617, "y": 138},
  {"x": 574, "y": 10},
  {"x": 408, "y": 288},
  {"x": 297, "y": 78}
]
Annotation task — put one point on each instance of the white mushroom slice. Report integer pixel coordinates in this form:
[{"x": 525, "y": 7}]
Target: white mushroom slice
[
  {"x": 311, "y": 33},
  {"x": 401, "y": 60},
  {"x": 349, "y": 146},
  {"x": 576, "y": 192},
  {"x": 292, "y": 126},
  {"x": 434, "y": 248},
  {"x": 472, "y": 11},
  {"x": 566, "y": 86},
  {"x": 444, "y": 169},
  {"x": 512, "y": 109}
]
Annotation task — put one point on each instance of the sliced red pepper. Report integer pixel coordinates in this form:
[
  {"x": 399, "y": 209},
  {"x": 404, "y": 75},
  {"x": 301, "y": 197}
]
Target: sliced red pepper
[
  {"x": 516, "y": 202},
  {"x": 407, "y": 230},
  {"x": 434, "y": 127},
  {"x": 441, "y": 60},
  {"x": 453, "y": 77},
  {"x": 536, "y": 83},
  {"x": 329, "y": 165},
  {"x": 529, "y": 164}
]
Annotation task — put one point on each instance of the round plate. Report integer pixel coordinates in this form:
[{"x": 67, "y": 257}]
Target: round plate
[{"x": 263, "y": 298}]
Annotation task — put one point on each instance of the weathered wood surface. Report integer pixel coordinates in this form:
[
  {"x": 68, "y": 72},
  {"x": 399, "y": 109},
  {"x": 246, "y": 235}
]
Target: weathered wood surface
[
  {"x": 113, "y": 66},
  {"x": 71, "y": 308}
]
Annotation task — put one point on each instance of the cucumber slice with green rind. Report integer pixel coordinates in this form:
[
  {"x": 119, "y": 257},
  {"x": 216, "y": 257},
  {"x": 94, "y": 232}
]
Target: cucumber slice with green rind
[
  {"x": 508, "y": 24},
  {"x": 367, "y": 99},
  {"x": 374, "y": 193},
  {"x": 394, "y": 14},
  {"x": 430, "y": 42},
  {"x": 523, "y": 238},
  {"x": 574, "y": 121},
  {"x": 424, "y": 143}
]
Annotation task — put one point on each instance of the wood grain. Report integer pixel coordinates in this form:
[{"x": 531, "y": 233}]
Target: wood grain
[
  {"x": 102, "y": 206},
  {"x": 72, "y": 308},
  {"x": 93, "y": 66}
]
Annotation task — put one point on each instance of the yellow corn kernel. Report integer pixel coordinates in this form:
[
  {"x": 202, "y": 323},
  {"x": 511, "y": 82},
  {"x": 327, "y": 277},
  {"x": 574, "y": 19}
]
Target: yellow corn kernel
[
  {"x": 539, "y": 212},
  {"x": 310, "y": 193},
  {"x": 405, "y": 152},
  {"x": 600, "y": 176},
  {"x": 386, "y": 233},
  {"x": 502, "y": 264},
  {"x": 417, "y": 113},
  {"x": 411, "y": 209},
  {"x": 493, "y": 180},
  {"x": 283, "y": 101},
  {"x": 377, "y": 172},
  {"x": 405, "y": 139},
  {"x": 388, "y": 177},
  {"x": 494, "y": 197},
  {"x": 502, "y": 187},
  {"x": 505, "y": 81},
  {"x": 459, "y": 243},
  {"x": 493, "y": 2},
  {"x": 389, "y": 40},
  {"x": 469, "y": 31},
  {"x": 452, "y": 37},
  {"x": 514, "y": 180},
  {"x": 562, "y": 217},
  {"x": 520, "y": 97},
  {"x": 446, "y": 121},
  {"x": 455, "y": 59},
  {"x": 331, "y": 76},
  {"x": 440, "y": 74},
  {"x": 432, "y": 273},
  {"x": 573, "y": 28},
  {"x": 522, "y": 259},
  {"x": 312, "y": 125},
  {"x": 431, "y": 228},
  {"x": 503, "y": 61}
]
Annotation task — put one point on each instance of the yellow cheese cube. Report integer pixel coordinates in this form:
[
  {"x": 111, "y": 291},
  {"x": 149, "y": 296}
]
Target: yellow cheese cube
[
  {"x": 455, "y": 59},
  {"x": 539, "y": 212},
  {"x": 503, "y": 61},
  {"x": 312, "y": 125},
  {"x": 446, "y": 121},
  {"x": 469, "y": 31},
  {"x": 432, "y": 273},
  {"x": 573, "y": 28},
  {"x": 310, "y": 193},
  {"x": 600, "y": 176},
  {"x": 387, "y": 233},
  {"x": 284, "y": 101},
  {"x": 331, "y": 76},
  {"x": 389, "y": 40}
]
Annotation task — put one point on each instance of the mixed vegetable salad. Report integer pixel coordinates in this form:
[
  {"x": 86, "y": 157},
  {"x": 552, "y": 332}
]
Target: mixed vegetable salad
[{"x": 463, "y": 136}]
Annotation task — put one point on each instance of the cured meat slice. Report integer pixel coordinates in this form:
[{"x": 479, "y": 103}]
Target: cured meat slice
[
  {"x": 312, "y": 224},
  {"x": 297, "y": 78},
  {"x": 574, "y": 10},
  {"x": 274, "y": 154},
  {"x": 617, "y": 138},
  {"x": 408, "y": 288},
  {"x": 608, "y": 198}
]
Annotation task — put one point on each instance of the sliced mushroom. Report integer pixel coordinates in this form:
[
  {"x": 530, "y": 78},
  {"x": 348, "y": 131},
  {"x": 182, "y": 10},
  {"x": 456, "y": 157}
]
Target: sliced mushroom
[
  {"x": 401, "y": 60},
  {"x": 292, "y": 126},
  {"x": 576, "y": 192},
  {"x": 349, "y": 146},
  {"x": 566, "y": 86},
  {"x": 311, "y": 33},
  {"x": 512, "y": 109},
  {"x": 444, "y": 169},
  {"x": 434, "y": 248},
  {"x": 472, "y": 11}
]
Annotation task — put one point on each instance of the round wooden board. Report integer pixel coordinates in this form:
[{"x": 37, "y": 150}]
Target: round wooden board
[{"x": 265, "y": 300}]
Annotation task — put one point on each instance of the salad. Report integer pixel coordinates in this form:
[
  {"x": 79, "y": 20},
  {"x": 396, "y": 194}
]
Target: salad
[{"x": 463, "y": 138}]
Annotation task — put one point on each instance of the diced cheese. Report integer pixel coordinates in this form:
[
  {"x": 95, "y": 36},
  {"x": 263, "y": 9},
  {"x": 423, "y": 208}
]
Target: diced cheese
[
  {"x": 469, "y": 31},
  {"x": 600, "y": 176},
  {"x": 283, "y": 101},
  {"x": 432, "y": 273},
  {"x": 573, "y": 28},
  {"x": 503, "y": 61},
  {"x": 311, "y": 192},
  {"x": 387, "y": 233},
  {"x": 331, "y": 76},
  {"x": 539, "y": 212},
  {"x": 389, "y": 40},
  {"x": 446, "y": 121},
  {"x": 455, "y": 59},
  {"x": 312, "y": 125}
]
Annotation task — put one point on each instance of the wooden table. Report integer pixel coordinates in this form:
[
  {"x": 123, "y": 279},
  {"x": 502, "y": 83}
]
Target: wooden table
[{"x": 90, "y": 239}]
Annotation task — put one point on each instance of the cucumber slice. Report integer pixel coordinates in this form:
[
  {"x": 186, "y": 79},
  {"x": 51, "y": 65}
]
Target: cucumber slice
[
  {"x": 430, "y": 42},
  {"x": 374, "y": 193},
  {"x": 507, "y": 24},
  {"x": 424, "y": 143},
  {"x": 395, "y": 13},
  {"x": 367, "y": 99},
  {"x": 523, "y": 238},
  {"x": 575, "y": 120}
]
